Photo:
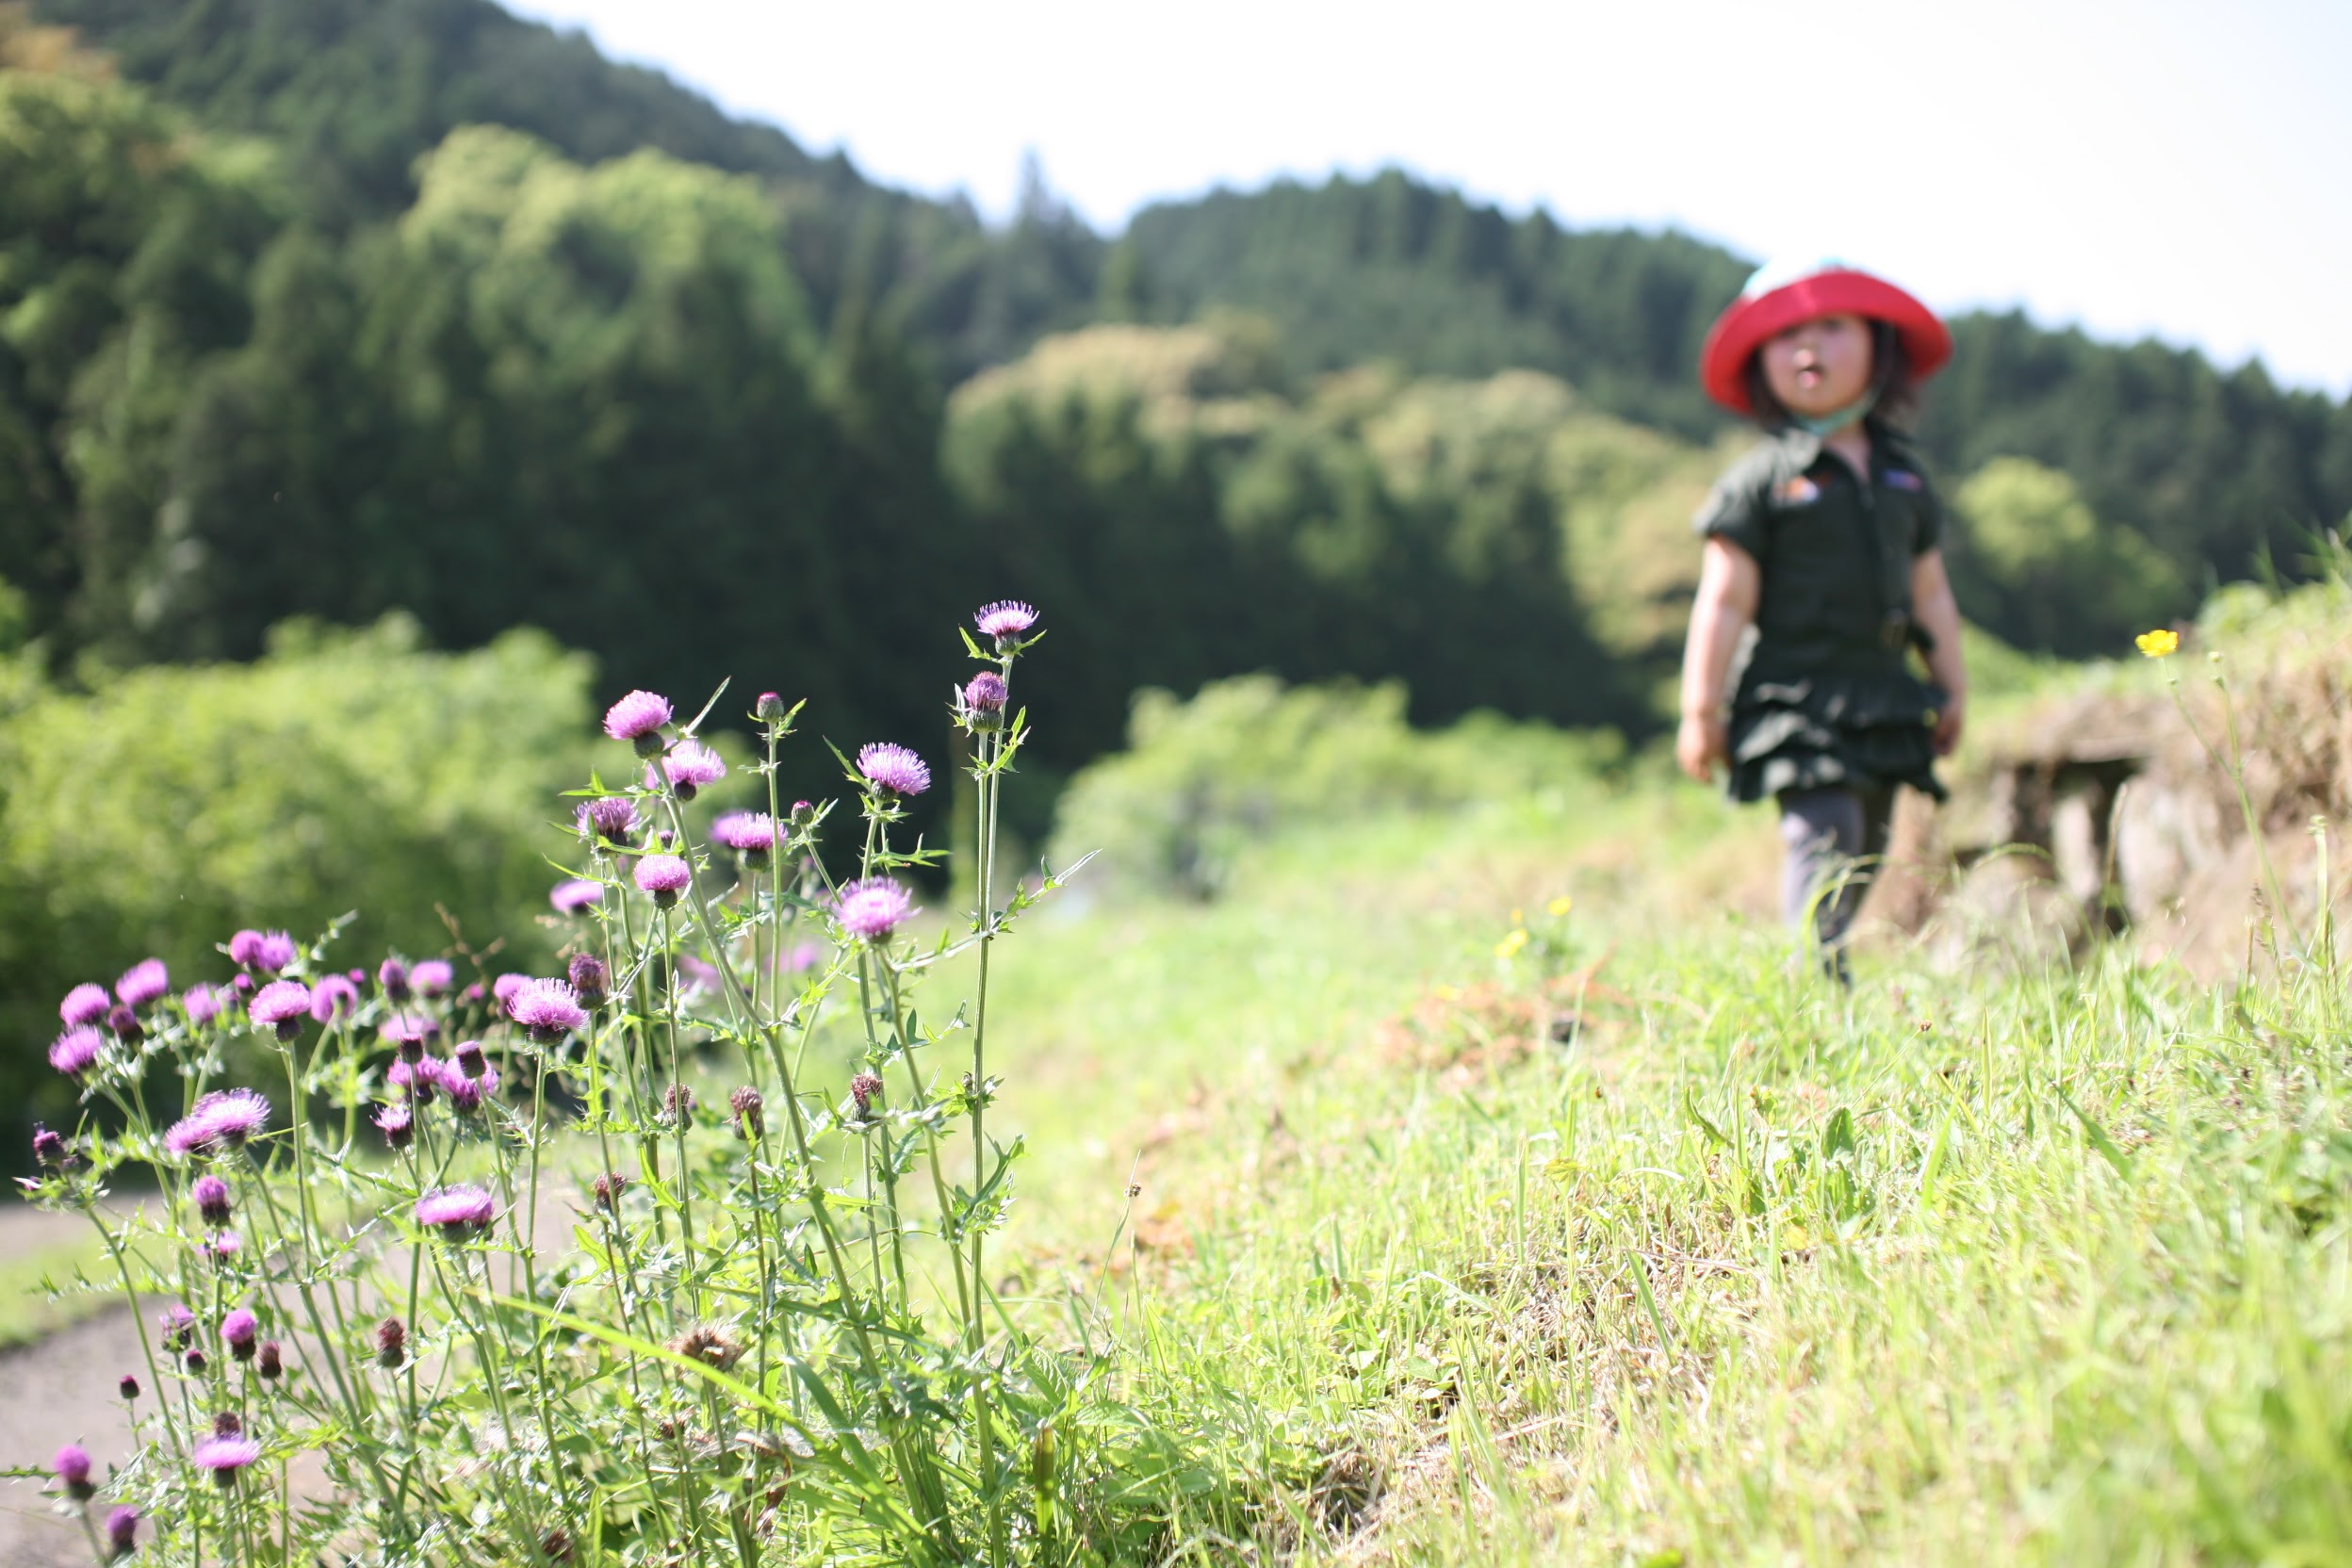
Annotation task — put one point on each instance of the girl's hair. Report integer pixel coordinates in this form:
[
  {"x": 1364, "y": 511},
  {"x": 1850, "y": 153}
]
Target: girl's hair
[{"x": 1890, "y": 378}]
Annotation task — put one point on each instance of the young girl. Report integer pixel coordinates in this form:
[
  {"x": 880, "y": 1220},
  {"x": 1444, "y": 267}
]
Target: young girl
[{"x": 1827, "y": 540}]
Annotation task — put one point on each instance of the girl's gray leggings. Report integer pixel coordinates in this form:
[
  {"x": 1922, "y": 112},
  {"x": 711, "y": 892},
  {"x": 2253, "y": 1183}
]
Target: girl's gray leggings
[{"x": 1825, "y": 832}]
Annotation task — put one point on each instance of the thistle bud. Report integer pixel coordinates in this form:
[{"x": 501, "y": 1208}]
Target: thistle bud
[
  {"x": 270, "y": 1363},
  {"x": 391, "y": 1343},
  {"x": 864, "y": 1090},
  {"x": 212, "y": 1199},
  {"x": 48, "y": 1146},
  {"x": 470, "y": 1059},
  {"x": 195, "y": 1361},
  {"x": 590, "y": 979},
  {"x": 750, "y": 1123},
  {"x": 678, "y": 1104},
  {"x": 393, "y": 976},
  {"x": 129, "y": 1387},
  {"x": 803, "y": 813},
  {"x": 769, "y": 708},
  {"x": 608, "y": 1188},
  {"x": 227, "y": 1424}
]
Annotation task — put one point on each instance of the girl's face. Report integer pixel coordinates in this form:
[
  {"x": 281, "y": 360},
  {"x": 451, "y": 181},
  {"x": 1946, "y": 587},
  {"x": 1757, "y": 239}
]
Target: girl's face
[{"x": 1819, "y": 366}]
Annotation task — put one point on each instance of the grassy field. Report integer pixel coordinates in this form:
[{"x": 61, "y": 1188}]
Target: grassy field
[{"x": 1631, "y": 1242}]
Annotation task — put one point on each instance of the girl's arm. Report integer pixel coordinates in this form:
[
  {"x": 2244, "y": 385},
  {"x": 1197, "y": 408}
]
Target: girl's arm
[
  {"x": 1938, "y": 614},
  {"x": 1730, "y": 583}
]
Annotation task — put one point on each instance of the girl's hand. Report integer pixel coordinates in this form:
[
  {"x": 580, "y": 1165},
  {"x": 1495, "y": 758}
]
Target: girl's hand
[
  {"x": 1949, "y": 724},
  {"x": 1702, "y": 741}
]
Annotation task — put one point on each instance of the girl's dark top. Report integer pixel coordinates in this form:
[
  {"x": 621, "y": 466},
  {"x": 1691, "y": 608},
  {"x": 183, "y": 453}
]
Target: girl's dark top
[{"x": 1828, "y": 694}]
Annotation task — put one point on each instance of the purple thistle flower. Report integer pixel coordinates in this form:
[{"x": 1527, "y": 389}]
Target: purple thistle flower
[
  {"x": 465, "y": 1093},
  {"x": 893, "y": 767},
  {"x": 267, "y": 951},
  {"x": 801, "y": 958},
  {"x": 457, "y": 1211},
  {"x": 418, "y": 1079},
  {"x": 240, "y": 1331},
  {"x": 694, "y": 976},
  {"x": 225, "y": 1456},
  {"x": 397, "y": 1123},
  {"x": 49, "y": 1146},
  {"x": 610, "y": 817},
  {"x": 203, "y": 1003},
  {"x": 506, "y": 985},
  {"x": 986, "y": 693},
  {"x": 242, "y": 985},
  {"x": 177, "y": 1324},
  {"x": 589, "y": 979},
  {"x": 76, "y": 1051},
  {"x": 84, "y": 1004},
  {"x": 224, "y": 1117},
  {"x": 691, "y": 766},
  {"x": 431, "y": 977},
  {"x": 123, "y": 1531},
  {"x": 550, "y": 1010},
  {"x": 142, "y": 983},
  {"x": 636, "y": 716},
  {"x": 211, "y": 1197},
  {"x": 224, "y": 1245},
  {"x": 872, "y": 909},
  {"x": 1005, "y": 618},
  {"x": 747, "y": 833},
  {"x": 281, "y": 1004},
  {"x": 571, "y": 897},
  {"x": 72, "y": 1468},
  {"x": 392, "y": 975},
  {"x": 332, "y": 998},
  {"x": 665, "y": 876}
]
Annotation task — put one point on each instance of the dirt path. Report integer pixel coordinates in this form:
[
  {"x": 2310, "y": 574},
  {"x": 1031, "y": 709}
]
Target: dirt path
[{"x": 61, "y": 1390}]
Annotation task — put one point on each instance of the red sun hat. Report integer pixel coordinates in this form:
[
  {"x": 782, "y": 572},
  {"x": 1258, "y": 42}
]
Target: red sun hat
[{"x": 1780, "y": 296}]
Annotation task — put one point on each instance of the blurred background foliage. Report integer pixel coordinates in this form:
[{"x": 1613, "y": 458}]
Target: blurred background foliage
[
  {"x": 1202, "y": 779},
  {"x": 342, "y": 308},
  {"x": 158, "y": 809}
]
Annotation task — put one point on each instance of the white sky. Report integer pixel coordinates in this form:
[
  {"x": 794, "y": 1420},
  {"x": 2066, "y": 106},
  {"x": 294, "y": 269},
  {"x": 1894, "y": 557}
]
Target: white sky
[{"x": 2134, "y": 166}]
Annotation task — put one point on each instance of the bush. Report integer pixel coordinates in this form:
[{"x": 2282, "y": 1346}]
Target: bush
[
  {"x": 1202, "y": 779},
  {"x": 161, "y": 810}
]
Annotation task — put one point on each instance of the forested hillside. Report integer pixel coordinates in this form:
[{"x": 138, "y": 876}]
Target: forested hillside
[{"x": 346, "y": 351}]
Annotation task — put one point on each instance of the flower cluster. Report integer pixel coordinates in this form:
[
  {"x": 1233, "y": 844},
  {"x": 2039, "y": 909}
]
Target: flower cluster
[{"x": 439, "y": 1311}]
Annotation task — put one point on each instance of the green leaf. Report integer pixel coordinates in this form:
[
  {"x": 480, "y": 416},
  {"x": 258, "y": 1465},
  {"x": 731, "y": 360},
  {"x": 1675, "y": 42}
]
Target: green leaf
[
  {"x": 1838, "y": 1138},
  {"x": 2099, "y": 1140}
]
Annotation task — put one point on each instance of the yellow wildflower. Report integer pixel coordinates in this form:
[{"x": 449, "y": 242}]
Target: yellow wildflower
[
  {"x": 1559, "y": 905},
  {"x": 1509, "y": 947},
  {"x": 2159, "y": 642}
]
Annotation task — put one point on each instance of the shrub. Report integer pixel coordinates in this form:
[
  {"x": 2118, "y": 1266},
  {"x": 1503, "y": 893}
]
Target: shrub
[
  {"x": 1202, "y": 778},
  {"x": 166, "y": 807}
]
